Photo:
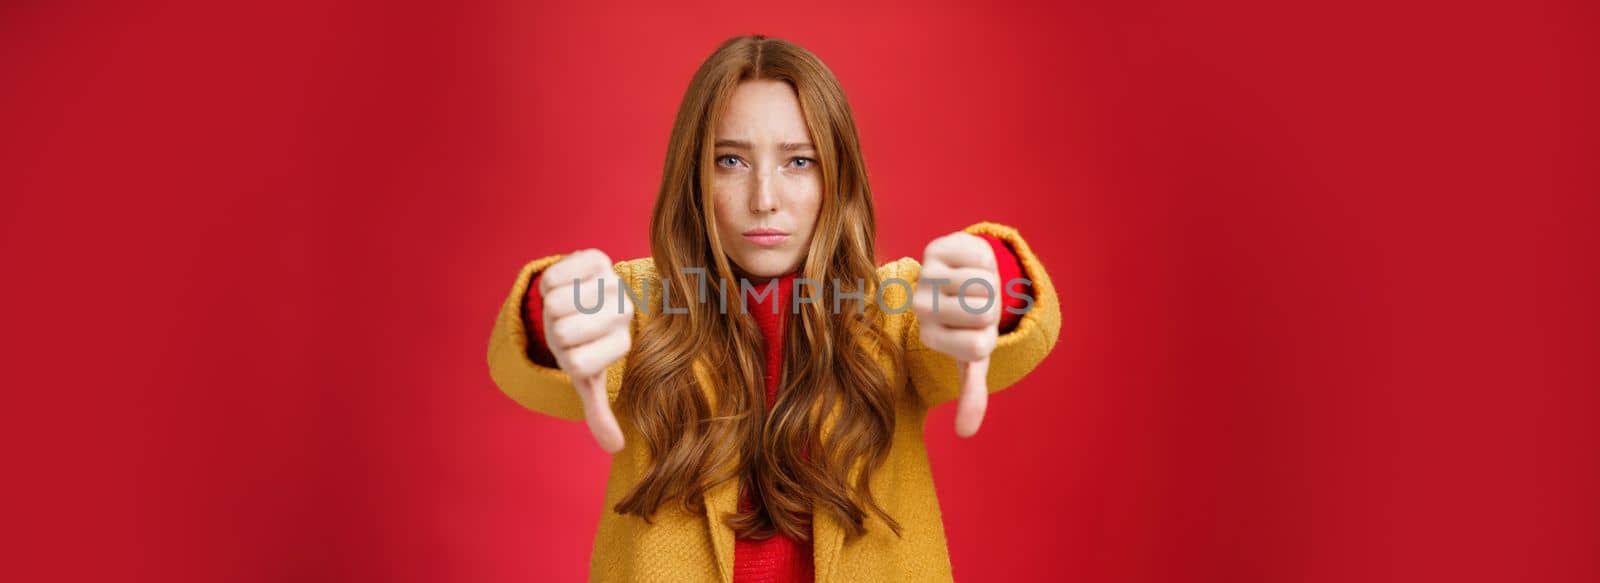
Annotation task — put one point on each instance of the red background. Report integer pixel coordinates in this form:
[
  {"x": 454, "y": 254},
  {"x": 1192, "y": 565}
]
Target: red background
[{"x": 1328, "y": 273}]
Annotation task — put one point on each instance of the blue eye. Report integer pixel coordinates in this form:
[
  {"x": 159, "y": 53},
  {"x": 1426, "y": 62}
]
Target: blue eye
[
  {"x": 803, "y": 162},
  {"x": 727, "y": 161}
]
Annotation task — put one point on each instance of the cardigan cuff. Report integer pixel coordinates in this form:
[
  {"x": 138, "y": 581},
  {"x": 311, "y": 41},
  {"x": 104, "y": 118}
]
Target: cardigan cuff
[{"x": 533, "y": 314}]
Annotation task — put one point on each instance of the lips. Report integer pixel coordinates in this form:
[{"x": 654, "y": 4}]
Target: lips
[{"x": 766, "y": 237}]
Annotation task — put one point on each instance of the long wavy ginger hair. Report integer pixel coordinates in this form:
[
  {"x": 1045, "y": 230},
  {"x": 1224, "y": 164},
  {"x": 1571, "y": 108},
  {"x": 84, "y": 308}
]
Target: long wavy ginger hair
[{"x": 827, "y": 356}]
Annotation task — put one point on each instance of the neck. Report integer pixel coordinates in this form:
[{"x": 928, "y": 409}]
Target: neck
[{"x": 760, "y": 280}]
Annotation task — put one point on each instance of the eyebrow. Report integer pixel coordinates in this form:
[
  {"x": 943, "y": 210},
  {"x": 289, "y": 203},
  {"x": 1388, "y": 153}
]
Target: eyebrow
[{"x": 786, "y": 146}]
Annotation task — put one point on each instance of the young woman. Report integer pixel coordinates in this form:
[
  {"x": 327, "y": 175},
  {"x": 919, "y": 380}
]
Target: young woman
[{"x": 761, "y": 381}]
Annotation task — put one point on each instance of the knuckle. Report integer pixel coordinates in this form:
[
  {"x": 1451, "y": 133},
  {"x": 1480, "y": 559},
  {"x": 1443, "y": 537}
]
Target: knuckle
[
  {"x": 975, "y": 348},
  {"x": 616, "y": 349},
  {"x": 554, "y": 309},
  {"x": 599, "y": 262},
  {"x": 918, "y": 304},
  {"x": 582, "y": 363},
  {"x": 958, "y": 313},
  {"x": 564, "y": 268},
  {"x": 582, "y": 259},
  {"x": 558, "y": 332},
  {"x": 550, "y": 288}
]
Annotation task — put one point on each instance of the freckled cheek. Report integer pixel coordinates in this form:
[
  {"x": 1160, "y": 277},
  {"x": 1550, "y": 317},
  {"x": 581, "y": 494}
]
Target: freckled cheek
[
  {"x": 725, "y": 204},
  {"x": 801, "y": 189},
  {"x": 806, "y": 199},
  {"x": 721, "y": 197}
]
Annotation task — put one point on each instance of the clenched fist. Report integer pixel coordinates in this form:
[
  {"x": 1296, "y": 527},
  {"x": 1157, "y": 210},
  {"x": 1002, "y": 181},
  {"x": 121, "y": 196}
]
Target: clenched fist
[
  {"x": 957, "y": 302},
  {"x": 584, "y": 344}
]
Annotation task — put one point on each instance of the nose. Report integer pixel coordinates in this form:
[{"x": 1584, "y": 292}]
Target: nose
[{"x": 765, "y": 197}]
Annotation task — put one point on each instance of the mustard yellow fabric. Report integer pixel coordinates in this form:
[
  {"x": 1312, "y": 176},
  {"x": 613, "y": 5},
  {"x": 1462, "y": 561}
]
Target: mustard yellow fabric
[{"x": 684, "y": 547}]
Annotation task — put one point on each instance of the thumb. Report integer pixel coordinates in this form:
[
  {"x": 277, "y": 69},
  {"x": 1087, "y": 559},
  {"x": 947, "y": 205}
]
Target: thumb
[
  {"x": 974, "y": 397},
  {"x": 597, "y": 413}
]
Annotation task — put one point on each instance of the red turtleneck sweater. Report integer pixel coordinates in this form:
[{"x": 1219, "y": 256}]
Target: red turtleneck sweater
[{"x": 780, "y": 558}]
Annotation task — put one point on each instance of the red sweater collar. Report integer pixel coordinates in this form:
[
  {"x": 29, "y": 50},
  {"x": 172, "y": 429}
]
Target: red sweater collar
[{"x": 770, "y": 311}]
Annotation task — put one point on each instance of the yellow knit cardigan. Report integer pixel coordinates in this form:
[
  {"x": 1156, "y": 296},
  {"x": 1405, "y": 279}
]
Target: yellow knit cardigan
[{"x": 680, "y": 546}]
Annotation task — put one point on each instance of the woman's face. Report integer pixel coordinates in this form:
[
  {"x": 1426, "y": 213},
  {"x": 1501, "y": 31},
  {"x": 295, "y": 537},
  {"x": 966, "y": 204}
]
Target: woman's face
[{"x": 766, "y": 184}]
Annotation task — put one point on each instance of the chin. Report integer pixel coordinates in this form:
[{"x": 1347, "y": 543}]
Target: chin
[
  {"x": 760, "y": 270},
  {"x": 759, "y": 266}
]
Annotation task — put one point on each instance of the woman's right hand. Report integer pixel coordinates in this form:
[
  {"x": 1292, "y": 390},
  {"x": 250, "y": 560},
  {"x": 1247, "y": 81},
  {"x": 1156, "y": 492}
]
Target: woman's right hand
[{"x": 585, "y": 344}]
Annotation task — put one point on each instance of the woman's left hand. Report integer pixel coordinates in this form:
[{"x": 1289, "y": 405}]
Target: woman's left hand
[{"x": 958, "y": 310}]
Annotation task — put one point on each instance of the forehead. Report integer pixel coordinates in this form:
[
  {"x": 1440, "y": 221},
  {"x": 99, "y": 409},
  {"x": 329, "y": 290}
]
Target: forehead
[{"x": 763, "y": 111}]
